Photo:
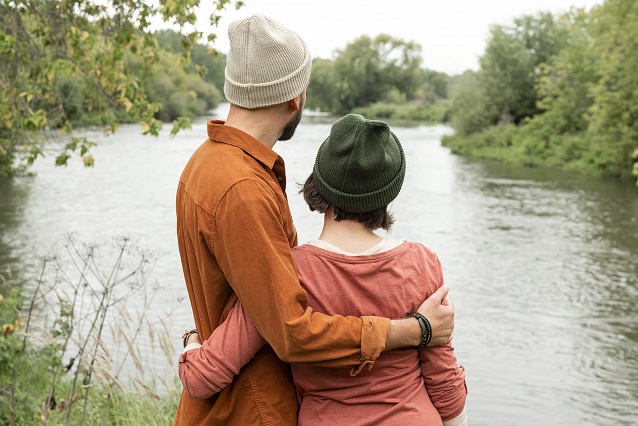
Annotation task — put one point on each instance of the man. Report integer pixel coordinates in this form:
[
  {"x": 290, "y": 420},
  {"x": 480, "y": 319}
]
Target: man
[{"x": 235, "y": 232}]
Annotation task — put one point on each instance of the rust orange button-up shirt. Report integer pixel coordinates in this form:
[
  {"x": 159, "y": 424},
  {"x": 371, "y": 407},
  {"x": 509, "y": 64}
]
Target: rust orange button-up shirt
[{"x": 235, "y": 231}]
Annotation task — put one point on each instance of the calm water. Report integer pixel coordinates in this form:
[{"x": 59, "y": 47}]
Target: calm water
[{"x": 543, "y": 266}]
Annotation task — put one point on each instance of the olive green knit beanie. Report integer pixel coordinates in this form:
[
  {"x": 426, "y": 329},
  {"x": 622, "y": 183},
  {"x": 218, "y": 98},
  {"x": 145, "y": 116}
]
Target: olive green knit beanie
[
  {"x": 267, "y": 63},
  {"x": 361, "y": 166}
]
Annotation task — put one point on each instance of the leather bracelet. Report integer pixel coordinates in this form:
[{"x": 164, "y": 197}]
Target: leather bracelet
[
  {"x": 187, "y": 334},
  {"x": 426, "y": 329}
]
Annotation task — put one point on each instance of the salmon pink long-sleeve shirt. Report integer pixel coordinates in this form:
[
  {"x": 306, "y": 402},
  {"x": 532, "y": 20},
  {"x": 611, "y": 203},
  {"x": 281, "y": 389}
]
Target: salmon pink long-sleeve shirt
[{"x": 406, "y": 387}]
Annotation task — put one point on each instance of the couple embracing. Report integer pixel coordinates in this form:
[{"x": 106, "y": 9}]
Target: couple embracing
[{"x": 349, "y": 329}]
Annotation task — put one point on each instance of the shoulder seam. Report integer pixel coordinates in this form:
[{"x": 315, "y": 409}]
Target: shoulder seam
[{"x": 212, "y": 214}]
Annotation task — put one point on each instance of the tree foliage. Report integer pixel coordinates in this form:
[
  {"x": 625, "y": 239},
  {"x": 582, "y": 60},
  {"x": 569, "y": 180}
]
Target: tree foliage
[
  {"x": 568, "y": 83},
  {"x": 180, "y": 92},
  {"x": 505, "y": 88},
  {"x": 50, "y": 51},
  {"x": 210, "y": 61},
  {"x": 366, "y": 71},
  {"x": 614, "y": 90},
  {"x": 472, "y": 109}
]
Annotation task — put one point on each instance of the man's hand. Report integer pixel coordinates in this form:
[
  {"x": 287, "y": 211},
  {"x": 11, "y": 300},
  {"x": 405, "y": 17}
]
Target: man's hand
[
  {"x": 440, "y": 312},
  {"x": 194, "y": 338},
  {"x": 407, "y": 332}
]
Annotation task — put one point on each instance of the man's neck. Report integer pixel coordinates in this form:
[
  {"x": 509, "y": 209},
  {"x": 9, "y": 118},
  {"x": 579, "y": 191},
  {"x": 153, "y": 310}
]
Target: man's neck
[
  {"x": 262, "y": 124},
  {"x": 348, "y": 235}
]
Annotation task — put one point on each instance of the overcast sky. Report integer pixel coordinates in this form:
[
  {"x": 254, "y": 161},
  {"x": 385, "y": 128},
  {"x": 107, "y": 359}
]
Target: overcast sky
[{"x": 452, "y": 33}]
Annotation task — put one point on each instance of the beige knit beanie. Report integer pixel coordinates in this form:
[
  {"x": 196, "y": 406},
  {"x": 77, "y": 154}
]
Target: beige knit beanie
[{"x": 267, "y": 63}]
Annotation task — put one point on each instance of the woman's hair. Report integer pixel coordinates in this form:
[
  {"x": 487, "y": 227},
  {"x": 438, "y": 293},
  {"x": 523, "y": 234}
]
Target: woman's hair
[{"x": 379, "y": 218}]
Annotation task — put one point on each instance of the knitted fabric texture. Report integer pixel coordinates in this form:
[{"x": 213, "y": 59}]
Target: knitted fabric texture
[
  {"x": 360, "y": 167},
  {"x": 267, "y": 63}
]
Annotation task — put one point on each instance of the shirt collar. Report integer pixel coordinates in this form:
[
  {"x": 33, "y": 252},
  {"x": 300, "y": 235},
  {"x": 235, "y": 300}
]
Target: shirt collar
[{"x": 218, "y": 132}]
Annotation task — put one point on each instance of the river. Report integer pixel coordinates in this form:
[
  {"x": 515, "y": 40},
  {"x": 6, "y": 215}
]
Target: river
[{"x": 542, "y": 265}]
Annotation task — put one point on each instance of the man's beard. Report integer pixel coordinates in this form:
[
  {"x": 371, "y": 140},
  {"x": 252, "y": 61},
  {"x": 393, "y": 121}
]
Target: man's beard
[{"x": 291, "y": 126}]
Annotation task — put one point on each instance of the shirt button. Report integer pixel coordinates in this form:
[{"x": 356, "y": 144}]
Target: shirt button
[{"x": 279, "y": 178}]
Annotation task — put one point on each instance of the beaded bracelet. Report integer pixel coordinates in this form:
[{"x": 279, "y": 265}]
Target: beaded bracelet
[
  {"x": 187, "y": 334},
  {"x": 426, "y": 329}
]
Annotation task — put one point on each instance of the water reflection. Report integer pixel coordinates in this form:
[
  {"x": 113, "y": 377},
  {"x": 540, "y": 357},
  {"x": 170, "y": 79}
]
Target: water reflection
[{"x": 14, "y": 194}]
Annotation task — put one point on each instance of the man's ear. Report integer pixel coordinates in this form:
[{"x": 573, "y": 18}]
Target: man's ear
[{"x": 295, "y": 104}]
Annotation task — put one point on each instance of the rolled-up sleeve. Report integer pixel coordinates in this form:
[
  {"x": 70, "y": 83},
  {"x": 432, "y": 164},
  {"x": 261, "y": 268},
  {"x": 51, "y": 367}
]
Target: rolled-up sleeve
[{"x": 251, "y": 246}]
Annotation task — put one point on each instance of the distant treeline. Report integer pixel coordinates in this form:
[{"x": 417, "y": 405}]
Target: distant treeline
[
  {"x": 379, "y": 77},
  {"x": 555, "y": 90}
]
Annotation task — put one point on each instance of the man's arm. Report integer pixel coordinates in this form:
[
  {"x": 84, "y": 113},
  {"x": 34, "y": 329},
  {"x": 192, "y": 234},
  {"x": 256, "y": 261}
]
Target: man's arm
[
  {"x": 206, "y": 368},
  {"x": 251, "y": 247}
]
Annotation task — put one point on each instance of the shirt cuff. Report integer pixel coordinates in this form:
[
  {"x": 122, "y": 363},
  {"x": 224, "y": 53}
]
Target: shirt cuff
[
  {"x": 374, "y": 332},
  {"x": 191, "y": 346},
  {"x": 460, "y": 420}
]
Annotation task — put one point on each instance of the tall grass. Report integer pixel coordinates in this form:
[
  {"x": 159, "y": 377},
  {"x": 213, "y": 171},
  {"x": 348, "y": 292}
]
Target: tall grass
[{"x": 78, "y": 349}]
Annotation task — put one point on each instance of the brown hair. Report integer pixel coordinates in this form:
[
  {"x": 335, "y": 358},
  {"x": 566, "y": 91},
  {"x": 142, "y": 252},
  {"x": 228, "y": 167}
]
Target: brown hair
[{"x": 379, "y": 218}]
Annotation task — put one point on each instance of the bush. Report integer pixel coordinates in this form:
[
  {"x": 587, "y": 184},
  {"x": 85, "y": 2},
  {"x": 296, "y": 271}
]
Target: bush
[
  {"x": 435, "y": 113},
  {"x": 498, "y": 143}
]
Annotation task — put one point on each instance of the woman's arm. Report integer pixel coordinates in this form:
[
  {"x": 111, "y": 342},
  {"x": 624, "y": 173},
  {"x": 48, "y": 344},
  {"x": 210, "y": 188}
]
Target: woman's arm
[
  {"x": 203, "y": 370},
  {"x": 444, "y": 381},
  {"x": 444, "y": 378}
]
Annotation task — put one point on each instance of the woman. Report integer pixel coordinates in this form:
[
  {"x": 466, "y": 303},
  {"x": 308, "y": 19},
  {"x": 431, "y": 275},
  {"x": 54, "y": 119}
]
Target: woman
[{"x": 359, "y": 170}]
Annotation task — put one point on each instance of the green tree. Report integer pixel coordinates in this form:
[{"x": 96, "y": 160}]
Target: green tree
[
  {"x": 212, "y": 61},
  {"x": 46, "y": 45},
  {"x": 365, "y": 71},
  {"x": 181, "y": 92},
  {"x": 472, "y": 109},
  {"x": 569, "y": 84},
  {"x": 556, "y": 135},
  {"x": 322, "y": 89},
  {"x": 614, "y": 111},
  {"x": 510, "y": 65},
  {"x": 434, "y": 87}
]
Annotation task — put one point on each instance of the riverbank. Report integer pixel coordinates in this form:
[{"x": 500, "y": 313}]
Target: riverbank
[
  {"x": 410, "y": 114},
  {"x": 523, "y": 146}
]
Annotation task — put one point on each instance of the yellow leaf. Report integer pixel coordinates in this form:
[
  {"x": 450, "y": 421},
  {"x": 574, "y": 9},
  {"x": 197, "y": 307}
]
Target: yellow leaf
[
  {"x": 51, "y": 74},
  {"x": 88, "y": 161},
  {"x": 127, "y": 104}
]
